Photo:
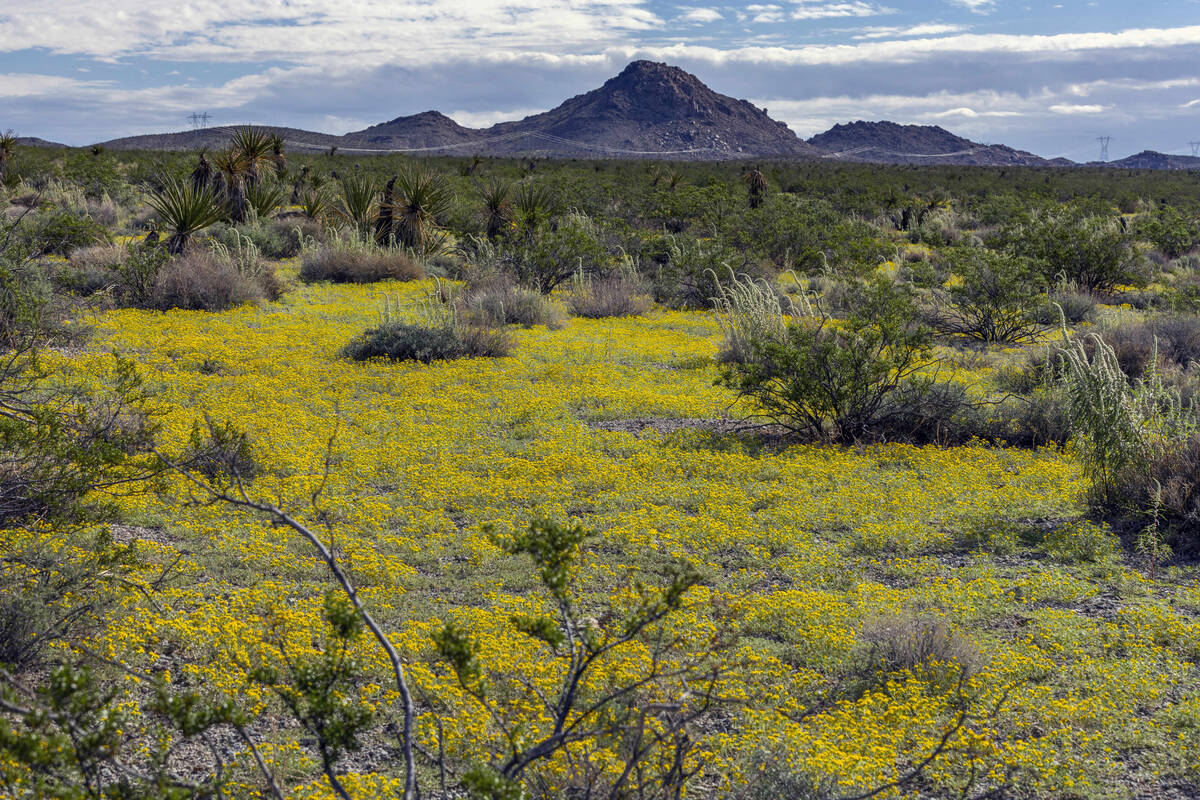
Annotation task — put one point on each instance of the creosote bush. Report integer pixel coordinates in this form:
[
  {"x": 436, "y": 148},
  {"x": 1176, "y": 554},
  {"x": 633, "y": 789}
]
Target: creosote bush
[
  {"x": 405, "y": 341},
  {"x": 203, "y": 280},
  {"x": 351, "y": 258},
  {"x": 620, "y": 294}
]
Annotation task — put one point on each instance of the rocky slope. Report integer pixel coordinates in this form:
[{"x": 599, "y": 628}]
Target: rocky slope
[{"x": 890, "y": 143}]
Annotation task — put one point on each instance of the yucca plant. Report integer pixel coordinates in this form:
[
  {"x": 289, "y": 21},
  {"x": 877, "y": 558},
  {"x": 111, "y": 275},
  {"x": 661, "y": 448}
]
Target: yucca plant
[
  {"x": 202, "y": 175},
  {"x": 358, "y": 201},
  {"x": 532, "y": 204},
  {"x": 496, "y": 206},
  {"x": 184, "y": 211},
  {"x": 421, "y": 197},
  {"x": 256, "y": 147},
  {"x": 385, "y": 217},
  {"x": 277, "y": 156},
  {"x": 265, "y": 198},
  {"x": 314, "y": 203}
]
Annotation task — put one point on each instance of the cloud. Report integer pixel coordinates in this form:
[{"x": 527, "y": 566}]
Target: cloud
[
  {"x": 927, "y": 29},
  {"x": 698, "y": 15},
  {"x": 1191, "y": 103},
  {"x": 765, "y": 13},
  {"x": 856, "y": 8},
  {"x": 1069, "y": 108},
  {"x": 976, "y": 6}
]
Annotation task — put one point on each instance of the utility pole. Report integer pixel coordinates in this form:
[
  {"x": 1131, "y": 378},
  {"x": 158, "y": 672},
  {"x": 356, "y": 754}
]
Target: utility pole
[
  {"x": 1195, "y": 149},
  {"x": 1104, "y": 140},
  {"x": 199, "y": 121}
]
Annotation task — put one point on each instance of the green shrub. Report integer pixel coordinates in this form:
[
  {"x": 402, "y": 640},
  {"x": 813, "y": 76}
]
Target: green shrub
[
  {"x": 557, "y": 251},
  {"x": 61, "y": 232},
  {"x": 1173, "y": 233},
  {"x": 841, "y": 382},
  {"x": 495, "y": 299},
  {"x": 994, "y": 300},
  {"x": 403, "y": 341},
  {"x": 1093, "y": 252}
]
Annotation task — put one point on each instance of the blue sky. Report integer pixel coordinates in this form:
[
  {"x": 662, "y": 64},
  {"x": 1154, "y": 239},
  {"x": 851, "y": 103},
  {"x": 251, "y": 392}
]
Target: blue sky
[{"x": 1047, "y": 77}]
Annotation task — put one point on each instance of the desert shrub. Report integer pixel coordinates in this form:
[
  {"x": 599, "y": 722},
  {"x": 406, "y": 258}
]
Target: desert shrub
[
  {"x": 572, "y": 243},
  {"x": 204, "y": 281},
  {"x": 91, "y": 269},
  {"x": 1094, "y": 252},
  {"x": 61, "y": 232},
  {"x": 911, "y": 642},
  {"x": 620, "y": 294},
  {"x": 355, "y": 259},
  {"x": 495, "y": 299},
  {"x": 403, "y": 341},
  {"x": 693, "y": 271},
  {"x": 839, "y": 382},
  {"x": 1067, "y": 299},
  {"x": 274, "y": 239},
  {"x": 1171, "y": 232},
  {"x": 139, "y": 273},
  {"x": 994, "y": 300},
  {"x": 1080, "y": 541},
  {"x": 1132, "y": 433},
  {"x": 806, "y": 234}
]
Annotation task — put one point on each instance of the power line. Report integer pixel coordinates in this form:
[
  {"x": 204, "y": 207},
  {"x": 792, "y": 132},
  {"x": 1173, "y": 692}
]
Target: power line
[
  {"x": 1104, "y": 140},
  {"x": 1195, "y": 149},
  {"x": 199, "y": 121}
]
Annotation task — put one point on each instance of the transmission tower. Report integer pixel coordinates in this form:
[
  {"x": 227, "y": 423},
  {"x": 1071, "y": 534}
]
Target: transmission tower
[
  {"x": 1104, "y": 140},
  {"x": 199, "y": 121},
  {"x": 1195, "y": 149}
]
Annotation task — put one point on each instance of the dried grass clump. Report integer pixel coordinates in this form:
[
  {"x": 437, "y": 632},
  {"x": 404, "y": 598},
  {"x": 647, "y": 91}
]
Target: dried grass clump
[
  {"x": 622, "y": 294},
  {"x": 345, "y": 265},
  {"x": 495, "y": 299},
  {"x": 202, "y": 280}
]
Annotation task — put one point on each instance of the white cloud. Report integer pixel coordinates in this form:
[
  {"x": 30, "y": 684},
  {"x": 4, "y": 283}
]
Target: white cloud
[
  {"x": 1191, "y": 103},
  {"x": 1070, "y": 108},
  {"x": 699, "y": 15},
  {"x": 927, "y": 29},
  {"x": 976, "y": 6},
  {"x": 765, "y": 13},
  {"x": 856, "y": 8}
]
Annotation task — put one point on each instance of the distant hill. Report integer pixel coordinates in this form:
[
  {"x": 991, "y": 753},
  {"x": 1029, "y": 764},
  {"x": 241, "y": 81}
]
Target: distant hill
[
  {"x": 1149, "y": 159},
  {"x": 428, "y": 129},
  {"x": 218, "y": 137},
  {"x": 33, "y": 141},
  {"x": 890, "y": 143}
]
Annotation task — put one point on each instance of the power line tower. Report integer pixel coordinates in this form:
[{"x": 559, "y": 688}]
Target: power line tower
[
  {"x": 1195, "y": 149},
  {"x": 1104, "y": 140},
  {"x": 199, "y": 121}
]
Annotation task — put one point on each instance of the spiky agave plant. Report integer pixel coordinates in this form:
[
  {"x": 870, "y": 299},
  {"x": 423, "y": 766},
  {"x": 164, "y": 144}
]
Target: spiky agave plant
[
  {"x": 421, "y": 197},
  {"x": 265, "y": 198},
  {"x": 496, "y": 205},
  {"x": 184, "y": 211},
  {"x": 358, "y": 201}
]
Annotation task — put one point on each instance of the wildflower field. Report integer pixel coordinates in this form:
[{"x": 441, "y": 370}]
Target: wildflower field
[{"x": 597, "y": 512}]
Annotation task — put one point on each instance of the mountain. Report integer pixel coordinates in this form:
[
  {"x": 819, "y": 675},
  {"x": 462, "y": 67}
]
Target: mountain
[
  {"x": 650, "y": 109},
  {"x": 1149, "y": 159},
  {"x": 890, "y": 143},
  {"x": 431, "y": 129}
]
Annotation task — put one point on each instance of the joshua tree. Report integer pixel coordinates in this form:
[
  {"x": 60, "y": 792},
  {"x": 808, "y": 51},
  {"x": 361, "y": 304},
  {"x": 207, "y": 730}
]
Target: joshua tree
[
  {"x": 497, "y": 206},
  {"x": 202, "y": 175},
  {"x": 277, "y": 156},
  {"x": 233, "y": 172},
  {"x": 184, "y": 210},
  {"x": 8, "y": 149},
  {"x": 385, "y": 218},
  {"x": 756, "y": 186}
]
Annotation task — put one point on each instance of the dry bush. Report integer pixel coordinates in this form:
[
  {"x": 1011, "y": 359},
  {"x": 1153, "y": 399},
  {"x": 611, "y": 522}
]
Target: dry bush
[
  {"x": 404, "y": 341},
  {"x": 91, "y": 269},
  {"x": 617, "y": 295},
  {"x": 495, "y": 299},
  {"x": 910, "y": 641},
  {"x": 344, "y": 265},
  {"x": 201, "y": 280}
]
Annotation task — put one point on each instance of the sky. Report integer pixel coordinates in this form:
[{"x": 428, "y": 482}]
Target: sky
[{"x": 1046, "y": 77}]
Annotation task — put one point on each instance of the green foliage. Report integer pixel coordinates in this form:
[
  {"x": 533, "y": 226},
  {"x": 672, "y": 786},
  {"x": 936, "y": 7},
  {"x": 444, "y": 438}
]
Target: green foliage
[
  {"x": 1094, "y": 252},
  {"x": 841, "y": 382},
  {"x": 402, "y": 341},
  {"x": 996, "y": 298},
  {"x": 184, "y": 210},
  {"x": 58, "y": 232},
  {"x": 265, "y": 198},
  {"x": 1169, "y": 230},
  {"x": 558, "y": 251},
  {"x": 358, "y": 201}
]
